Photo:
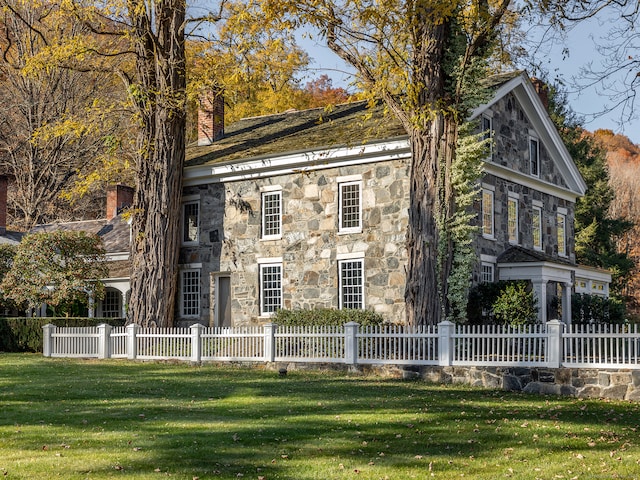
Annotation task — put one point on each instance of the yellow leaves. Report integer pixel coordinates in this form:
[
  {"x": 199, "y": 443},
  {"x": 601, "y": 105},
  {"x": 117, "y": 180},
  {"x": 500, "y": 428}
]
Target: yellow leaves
[{"x": 69, "y": 128}]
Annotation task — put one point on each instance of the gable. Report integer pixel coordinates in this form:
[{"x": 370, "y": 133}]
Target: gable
[{"x": 519, "y": 116}]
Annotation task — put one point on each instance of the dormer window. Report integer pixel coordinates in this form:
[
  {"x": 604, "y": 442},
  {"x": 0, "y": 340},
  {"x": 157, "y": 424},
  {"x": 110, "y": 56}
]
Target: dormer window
[{"x": 534, "y": 157}]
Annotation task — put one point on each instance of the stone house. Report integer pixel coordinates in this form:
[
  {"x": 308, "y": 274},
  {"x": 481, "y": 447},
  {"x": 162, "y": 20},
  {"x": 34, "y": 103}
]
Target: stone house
[
  {"x": 116, "y": 236},
  {"x": 309, "y": 209}
]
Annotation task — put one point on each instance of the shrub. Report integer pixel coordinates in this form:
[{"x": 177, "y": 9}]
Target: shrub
[
  {"x": 515, "y": 305},
  {"x": 593, "y": 309},
  {"x": 326, "y": 316},
  {"x": 25, "y": 334}
]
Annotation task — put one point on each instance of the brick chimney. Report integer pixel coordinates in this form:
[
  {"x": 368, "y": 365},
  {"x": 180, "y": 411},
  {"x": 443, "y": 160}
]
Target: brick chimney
[
  {"x": 543, "y": 91},
  {"x": 118, "y": 198},
  {"x": 210, "y": 118},
  {"x": 3, "y": 204}
]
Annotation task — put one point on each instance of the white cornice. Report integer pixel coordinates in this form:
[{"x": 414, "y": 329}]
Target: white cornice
[
  {"x": 296, "y": 162},
  {"x": 529, "y": 181}
]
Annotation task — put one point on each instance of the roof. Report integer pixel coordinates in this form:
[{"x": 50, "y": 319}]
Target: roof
[
  {"x": 315, "y": 129},
  {"x": 115, "y": 233},
  {"x": 518, "y": 254},
  {"x": 11, "y": 238}
]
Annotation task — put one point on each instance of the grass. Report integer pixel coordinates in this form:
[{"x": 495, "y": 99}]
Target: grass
[{"x": 79, "y": 419}]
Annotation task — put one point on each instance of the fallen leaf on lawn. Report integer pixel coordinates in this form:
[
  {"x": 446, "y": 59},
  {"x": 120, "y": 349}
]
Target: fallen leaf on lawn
[
  {"x": 579, "y": 456},
  {"x": 418, "y": 457},
  {"x": 284, "y": 456}
]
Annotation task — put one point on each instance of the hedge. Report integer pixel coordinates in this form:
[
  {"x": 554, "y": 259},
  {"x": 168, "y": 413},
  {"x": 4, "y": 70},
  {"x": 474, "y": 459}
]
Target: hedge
[
  {"x": 326, "y": 316},
  {"x": 20, "y": 334}
]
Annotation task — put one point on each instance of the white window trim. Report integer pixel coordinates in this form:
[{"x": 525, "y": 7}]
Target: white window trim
[
  {"x": 349, "y": 256},
  {"x": 538, "y": 163},
  {"x": 340, "y": 286},
  {"x": 491, "y": 235},
  {"x": 261, "y": 266},
  {"x": 564, "y": 239},
  {"x": 493, "y": 271},
  {"x": 514, "y": 199},
  {"x": 271, "y": 190},
  {"x": 536, "y": 207},
  {"x": 349, "y": 178},
  {"x": 358, "y": 228},
  {"x": 191, "y": 200},
  {"x": 195, "y": 267}
]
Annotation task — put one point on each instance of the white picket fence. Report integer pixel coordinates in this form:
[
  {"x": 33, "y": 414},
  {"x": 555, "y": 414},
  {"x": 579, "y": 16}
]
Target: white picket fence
[{"x": 551, "y": 345}]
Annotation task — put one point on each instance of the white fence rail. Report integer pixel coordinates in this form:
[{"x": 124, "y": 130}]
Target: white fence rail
[{"x": 447, "y": 344}]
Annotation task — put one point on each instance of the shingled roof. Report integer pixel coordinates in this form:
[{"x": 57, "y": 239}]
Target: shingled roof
[
  {"x": 115, "y": 233},
  {"x": 342, "y": 125}
]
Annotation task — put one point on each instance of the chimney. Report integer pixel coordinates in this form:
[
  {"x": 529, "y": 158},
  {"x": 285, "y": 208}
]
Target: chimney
[
  {"x": 3, "y": 204},
  {"x": 543, "y": 91},
  {"x": 118, "y": 198},
  {"x": 210, "y": 118}
]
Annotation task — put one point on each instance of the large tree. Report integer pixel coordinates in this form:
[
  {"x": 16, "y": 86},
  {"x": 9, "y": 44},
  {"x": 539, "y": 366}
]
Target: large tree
[
  {"x": 142, "y": 42},
  {"x": 424, "y": 60}
]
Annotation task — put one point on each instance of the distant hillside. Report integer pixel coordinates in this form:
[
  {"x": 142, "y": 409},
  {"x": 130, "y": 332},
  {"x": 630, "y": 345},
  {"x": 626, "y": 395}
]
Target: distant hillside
[
  {"x": 619, "y": 147},
  {"x": 623, "y": 157}
]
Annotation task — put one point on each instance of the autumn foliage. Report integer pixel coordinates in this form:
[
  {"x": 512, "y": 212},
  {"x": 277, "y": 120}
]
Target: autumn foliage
[{"x": 623, "y": 158}]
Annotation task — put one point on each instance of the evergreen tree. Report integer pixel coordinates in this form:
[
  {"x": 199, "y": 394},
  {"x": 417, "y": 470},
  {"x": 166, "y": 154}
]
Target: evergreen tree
[{"x": 596, "y": 230}]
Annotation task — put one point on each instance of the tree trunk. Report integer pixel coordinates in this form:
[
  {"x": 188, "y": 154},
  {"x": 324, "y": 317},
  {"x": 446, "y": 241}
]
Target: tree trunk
[{"x": 156, "y": 206}]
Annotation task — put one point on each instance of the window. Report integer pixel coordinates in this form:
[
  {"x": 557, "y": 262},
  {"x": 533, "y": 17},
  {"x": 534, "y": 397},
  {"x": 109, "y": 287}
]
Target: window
[
  {"x": 111, "y": 304},
  {"x": 562, "y": 234},
  {"x": 487, "y": 272},
  {"x": 351, "y": 283},
  {"x": 487, "y": 131},
  {"x": 190, "y": 222},
  {"x": 487, "y": 213},
  {"x": 272, "y": 215},
  {"x": 270, "y": 288},
  {"x": 534, "y": 157},
  {"x": 512, "y": 219},
  {"x": 536, "y": 227},
  {"x": 190, "y": 292},
  {"x": 350, "y": 214}
]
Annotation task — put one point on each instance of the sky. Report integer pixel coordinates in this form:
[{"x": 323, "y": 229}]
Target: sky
[{"x": 563, "y": 59}]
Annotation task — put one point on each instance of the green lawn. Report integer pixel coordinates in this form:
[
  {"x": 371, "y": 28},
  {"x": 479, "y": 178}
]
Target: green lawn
[{"x": 77, "y": 419}]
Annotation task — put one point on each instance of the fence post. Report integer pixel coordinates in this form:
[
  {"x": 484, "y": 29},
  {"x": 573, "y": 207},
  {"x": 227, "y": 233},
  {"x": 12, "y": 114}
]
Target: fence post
[
  {"x": 196, "y": 344},
  {"x": 351, "y": 343},
  {"x": 445, "y": 343},
  {"x": 132, "y": 342},
  {"x": 104, "y": 341},
  {"x": 554, "y": 343},
  {"x": 269, "y": 342},
  {"x": 47, "y": 332}
]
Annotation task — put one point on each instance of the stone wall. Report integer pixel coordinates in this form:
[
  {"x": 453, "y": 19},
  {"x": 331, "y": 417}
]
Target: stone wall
[
  {"x": 230, "y": 239},
  {"x": 579, "y": 383}
]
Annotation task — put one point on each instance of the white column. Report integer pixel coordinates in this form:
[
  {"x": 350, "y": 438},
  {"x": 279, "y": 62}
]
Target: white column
[
  {"x": 92, "y": 305},
  {"x": 123, "y": 304},
  {"x": 566, "y": 303},
  {"x": 540, "y": 290}
]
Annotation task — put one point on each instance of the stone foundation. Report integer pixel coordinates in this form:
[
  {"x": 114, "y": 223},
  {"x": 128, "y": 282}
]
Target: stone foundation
[{"x": 573, "y": 382}]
